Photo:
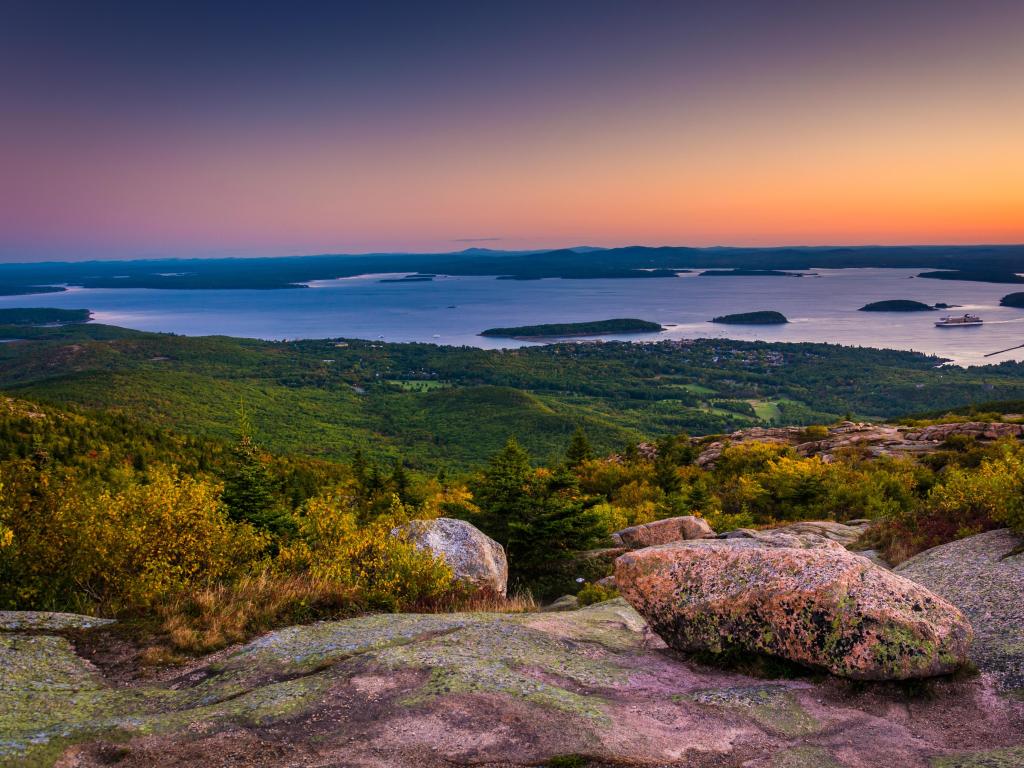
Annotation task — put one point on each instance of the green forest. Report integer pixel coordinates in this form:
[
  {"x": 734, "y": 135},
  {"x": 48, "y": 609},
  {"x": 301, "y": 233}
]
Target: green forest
[
  {"x": 450, "y": 407},
  {"x": 197, "y": 543},
  {"x": 206, "y": 489}
]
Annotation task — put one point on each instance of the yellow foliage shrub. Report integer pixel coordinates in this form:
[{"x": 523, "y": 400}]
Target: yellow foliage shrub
[
  {"x": 120, "y": 548},
  {"x": 438, "y": 498},
  {"x": 993, "y": 491},
  {"x": 386, "y": 571},
  {"x": 613, "y": 518}
]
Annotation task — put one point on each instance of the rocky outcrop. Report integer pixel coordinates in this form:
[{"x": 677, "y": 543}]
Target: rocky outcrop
[
  {"x": 980, "y": 430},
  {"x": 473, "y": 557},
  {"x": 436, "y": 691},
  {"x": 982, "y": 575},
  {"x": 42, "y": 621},
  {"x": 564, "y": 603},
  {"x": 845, "y": 534},
  {"x": 681, "y": 528},
  {"x": 874, "y": 439},
  {"x": 802, "y": 598}
]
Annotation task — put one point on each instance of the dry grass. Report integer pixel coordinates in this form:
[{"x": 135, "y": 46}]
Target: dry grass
[
  {"x": 214, "y": 617},
  {"x": 480, "y": 601}
]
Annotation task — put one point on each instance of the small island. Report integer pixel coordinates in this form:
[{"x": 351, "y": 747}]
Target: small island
[
  {"x": 43, "y": 316},
  {"x": 752, "y": 318},
  {"x": 1012, "y": 300},
  {"x": 748, "y": 273},
  {"x": 419, "y": 277},
  {"x": 897, "y": 305},
  {"x": 559, "y": 330}
]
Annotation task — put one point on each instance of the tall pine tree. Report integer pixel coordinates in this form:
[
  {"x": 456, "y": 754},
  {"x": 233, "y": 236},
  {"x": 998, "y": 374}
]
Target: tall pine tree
[
  {"x": 502, "y": 491},
  {"x": 540, "y": 519},
  {"x": 248, "y": 487},
  {"x": 579, "y": 449}
]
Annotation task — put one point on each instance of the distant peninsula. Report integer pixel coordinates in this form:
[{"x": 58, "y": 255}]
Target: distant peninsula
[
  {"x": 43, "y": 316},
  {"x": 592, "y": 328},
  {"x": 975, "y": 275},
  {"x": 26, "y": 290},
  {"x": 599, "y": 274},
  {"x": 752, "y": 318},
  {"x": 748, "y": 273},
  {"x": 419, "y": 277},
  {"x": 1012, "y": 300},
  {"x": 896, "y": 305}
]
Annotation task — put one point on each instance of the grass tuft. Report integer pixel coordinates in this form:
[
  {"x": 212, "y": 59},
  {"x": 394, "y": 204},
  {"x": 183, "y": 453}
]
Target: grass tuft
[{"x": 214, "y": 617}]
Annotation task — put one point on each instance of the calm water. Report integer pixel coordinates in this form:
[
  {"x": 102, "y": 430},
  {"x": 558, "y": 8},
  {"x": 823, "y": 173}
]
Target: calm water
[{"x": 453, "y": 310}]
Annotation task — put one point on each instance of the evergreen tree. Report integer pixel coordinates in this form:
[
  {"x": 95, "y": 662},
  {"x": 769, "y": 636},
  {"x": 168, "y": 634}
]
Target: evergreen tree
[
  {"x": 666, "y": 474},
  {"x": 400, "y": 483},
  {"x": 560, "y": 525},
  {"x": 579, "y": 449},
  {"x": 699, "y": 497},
  {"x": 539, "y": 520},
  {"x": 360, "y": 468},
  {"x": 249, "y": 488},
  {"x": 501, "y": 492}
]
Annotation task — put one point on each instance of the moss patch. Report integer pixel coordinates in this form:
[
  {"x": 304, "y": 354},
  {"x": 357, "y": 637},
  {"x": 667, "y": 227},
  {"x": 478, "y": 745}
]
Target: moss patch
[
  {"x": 804, "y": 757},
  {"x": 771, "y": 706},
  {"x": 996, "y": 758},
  {"x": 50, "y": 697}
]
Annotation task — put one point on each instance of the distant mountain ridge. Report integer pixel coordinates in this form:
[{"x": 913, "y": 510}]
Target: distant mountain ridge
[{"x": 998, "y": 262}]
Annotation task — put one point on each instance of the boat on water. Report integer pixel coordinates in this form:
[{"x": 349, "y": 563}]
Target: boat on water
[{"x": 958, "y": 321}]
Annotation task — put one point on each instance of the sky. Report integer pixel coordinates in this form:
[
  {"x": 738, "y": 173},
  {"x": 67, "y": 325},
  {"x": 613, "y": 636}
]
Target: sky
[{"x": 144, "y": 129}]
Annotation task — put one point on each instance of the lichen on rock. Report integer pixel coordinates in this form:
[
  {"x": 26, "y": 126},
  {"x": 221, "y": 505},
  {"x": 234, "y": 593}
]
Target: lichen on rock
[
  {"x": 982, "y": 576},
  {"x": 473, "y": 556},
  {"x": 802, "y": 598}
]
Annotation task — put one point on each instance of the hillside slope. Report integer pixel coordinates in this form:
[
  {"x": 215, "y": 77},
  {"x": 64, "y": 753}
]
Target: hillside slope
[{"x": 453, "y": 406}]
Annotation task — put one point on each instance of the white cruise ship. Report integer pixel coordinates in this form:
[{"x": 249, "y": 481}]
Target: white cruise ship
[{"x": 959, "y": 321}]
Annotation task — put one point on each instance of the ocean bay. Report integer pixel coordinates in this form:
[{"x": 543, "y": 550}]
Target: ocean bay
[{"x": 822, "y": 306}]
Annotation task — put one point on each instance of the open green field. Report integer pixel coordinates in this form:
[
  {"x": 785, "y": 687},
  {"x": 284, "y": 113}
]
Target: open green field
[{"x": 766, "y": 410}]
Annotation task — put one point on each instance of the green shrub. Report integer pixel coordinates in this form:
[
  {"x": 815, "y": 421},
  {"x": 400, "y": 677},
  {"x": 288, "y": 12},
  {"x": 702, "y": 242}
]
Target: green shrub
[
  {"x": 814, "y": 433},
  {"x": 595, "y": 593}
]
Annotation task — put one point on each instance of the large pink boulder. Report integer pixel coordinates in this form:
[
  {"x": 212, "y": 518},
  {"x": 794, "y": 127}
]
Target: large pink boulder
[
  {"x": 663, "y": 531},
  {"x": 806, "y": 599}
]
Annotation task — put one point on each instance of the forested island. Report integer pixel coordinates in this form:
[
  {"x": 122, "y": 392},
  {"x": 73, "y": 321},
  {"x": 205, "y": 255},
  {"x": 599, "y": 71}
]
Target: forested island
[
  {"x": 561, "y": 330},
  {"x": 1012, "y": 300},
  {"x": 748, "y": 273},
  {"x": 43, "y": 316},
  {"x": 897, "y": 305},
  {"x": 752, "y": 318},
  {"x": 976, "y": 275}
]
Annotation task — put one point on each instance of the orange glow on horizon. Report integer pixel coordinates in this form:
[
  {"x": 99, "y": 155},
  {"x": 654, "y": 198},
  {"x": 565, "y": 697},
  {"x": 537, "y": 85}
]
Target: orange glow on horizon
[{"x": 921, "y": 145}]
